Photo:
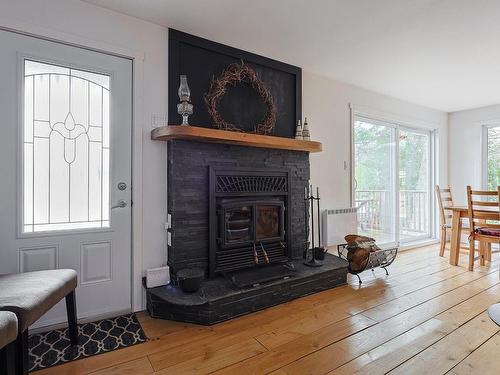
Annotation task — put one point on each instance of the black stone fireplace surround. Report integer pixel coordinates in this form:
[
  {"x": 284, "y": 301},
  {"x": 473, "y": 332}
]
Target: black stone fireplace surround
[
  {"x": 196, "y": 174},
  {"x": 223, "y": 200}
]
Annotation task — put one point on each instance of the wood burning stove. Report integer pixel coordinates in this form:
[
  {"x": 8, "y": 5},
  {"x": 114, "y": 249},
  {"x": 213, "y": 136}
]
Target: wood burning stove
[{"x": 248, "y": 218}]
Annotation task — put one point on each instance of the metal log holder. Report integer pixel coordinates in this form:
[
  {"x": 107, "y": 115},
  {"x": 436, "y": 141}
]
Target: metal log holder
[
  {"x": 378, "y": 259},
  {"x": 309, "y": 199}
]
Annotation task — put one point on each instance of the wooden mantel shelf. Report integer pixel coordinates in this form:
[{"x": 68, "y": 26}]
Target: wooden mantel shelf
[{"x": 195, "y": 133}]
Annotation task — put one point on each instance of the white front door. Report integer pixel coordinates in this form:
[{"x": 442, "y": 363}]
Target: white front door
[{"x": 65, "y": 164}]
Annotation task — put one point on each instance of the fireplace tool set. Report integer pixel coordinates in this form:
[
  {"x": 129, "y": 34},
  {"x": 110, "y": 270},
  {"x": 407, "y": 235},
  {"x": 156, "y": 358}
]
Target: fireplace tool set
[{"x": 314, "y": 253}]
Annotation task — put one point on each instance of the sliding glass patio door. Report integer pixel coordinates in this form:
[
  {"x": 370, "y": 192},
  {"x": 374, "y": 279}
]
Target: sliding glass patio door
[
  {"x": 392, "y": 181},
  {"x": 375, "y": 176},
  {"x": 491, "y": 156},
  {"x": 414, "y": 185}
]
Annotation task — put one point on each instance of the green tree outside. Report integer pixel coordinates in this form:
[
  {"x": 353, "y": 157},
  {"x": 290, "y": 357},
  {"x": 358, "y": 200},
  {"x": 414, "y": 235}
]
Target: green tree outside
[{"x": 493, "y": 157}]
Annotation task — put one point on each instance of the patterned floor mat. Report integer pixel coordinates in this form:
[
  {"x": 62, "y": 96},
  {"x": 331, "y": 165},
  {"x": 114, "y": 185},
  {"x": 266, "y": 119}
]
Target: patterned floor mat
[{"x": 53, "y": 347}]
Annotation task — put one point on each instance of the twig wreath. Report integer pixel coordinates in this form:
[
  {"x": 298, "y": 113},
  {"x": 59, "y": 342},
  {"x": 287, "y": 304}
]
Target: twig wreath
[{"x": 234, "y": 74}]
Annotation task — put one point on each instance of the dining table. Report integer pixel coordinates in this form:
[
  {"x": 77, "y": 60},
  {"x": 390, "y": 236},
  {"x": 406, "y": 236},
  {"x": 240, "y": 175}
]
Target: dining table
[{"x": 458, "y": 214}]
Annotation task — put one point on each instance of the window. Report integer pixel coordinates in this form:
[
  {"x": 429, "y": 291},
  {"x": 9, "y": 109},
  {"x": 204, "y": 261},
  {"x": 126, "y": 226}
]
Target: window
[
  {"x": 65, "y": 148},
  {"x": 392, "y": 180},
  {"x": 491, "y": 157}
]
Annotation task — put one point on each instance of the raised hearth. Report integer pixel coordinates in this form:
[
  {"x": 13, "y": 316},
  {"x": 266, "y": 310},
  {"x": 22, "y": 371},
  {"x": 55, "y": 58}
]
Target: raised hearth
[
  {"x": 219, "y": 299},
  {"x": 237, "y": 209}
]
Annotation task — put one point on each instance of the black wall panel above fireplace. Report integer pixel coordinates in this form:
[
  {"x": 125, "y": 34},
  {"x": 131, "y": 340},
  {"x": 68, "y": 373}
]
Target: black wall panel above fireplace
[{"x": 201, "y": 60}]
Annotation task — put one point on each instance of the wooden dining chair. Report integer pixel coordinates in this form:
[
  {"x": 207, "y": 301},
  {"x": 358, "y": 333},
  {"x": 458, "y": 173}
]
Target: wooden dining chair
[
  {"x": 445, "y": 202},
  {"x": 481, "y": 230}
]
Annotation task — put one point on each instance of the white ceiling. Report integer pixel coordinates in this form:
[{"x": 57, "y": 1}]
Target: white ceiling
[{"x": 443, "y": 54}]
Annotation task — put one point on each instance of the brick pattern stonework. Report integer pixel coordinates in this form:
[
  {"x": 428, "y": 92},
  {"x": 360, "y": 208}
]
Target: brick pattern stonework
[{"x": 188, "y": 194}]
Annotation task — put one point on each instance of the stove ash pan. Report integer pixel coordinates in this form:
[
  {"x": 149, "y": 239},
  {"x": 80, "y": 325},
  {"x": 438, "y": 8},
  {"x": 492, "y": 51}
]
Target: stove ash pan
[{"x": 249, "y": 220}]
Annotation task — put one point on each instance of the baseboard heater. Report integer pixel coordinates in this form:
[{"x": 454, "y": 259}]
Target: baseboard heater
[{"x": 337, "y": 223}]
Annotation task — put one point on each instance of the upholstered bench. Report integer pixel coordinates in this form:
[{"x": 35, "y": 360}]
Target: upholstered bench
[
  {"x": 30, "y": 295},
  {"x": 8, "y": 334}
]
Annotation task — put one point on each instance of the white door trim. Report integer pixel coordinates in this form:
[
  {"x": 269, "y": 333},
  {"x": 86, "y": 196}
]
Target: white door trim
[{"x": 137, "y": 58}]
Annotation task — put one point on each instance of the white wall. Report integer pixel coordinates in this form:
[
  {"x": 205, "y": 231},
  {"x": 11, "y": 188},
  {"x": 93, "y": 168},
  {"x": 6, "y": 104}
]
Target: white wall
[
  {"x": 465, "y": 148},
  {"x": 326, "y": 103}
]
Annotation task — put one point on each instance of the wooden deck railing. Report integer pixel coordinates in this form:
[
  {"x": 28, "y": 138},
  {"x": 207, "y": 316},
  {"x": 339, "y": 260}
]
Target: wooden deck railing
[{"x": 376, "y": 210}]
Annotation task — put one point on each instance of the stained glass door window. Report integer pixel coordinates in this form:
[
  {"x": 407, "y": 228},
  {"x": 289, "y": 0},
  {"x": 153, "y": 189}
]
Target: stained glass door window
[{"x": 66, "y": 148}]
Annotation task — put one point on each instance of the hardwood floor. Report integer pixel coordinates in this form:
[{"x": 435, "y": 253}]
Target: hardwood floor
[{"x": 426, "y": 317}]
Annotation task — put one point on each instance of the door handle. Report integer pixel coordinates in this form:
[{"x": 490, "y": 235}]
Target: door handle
[{"x": 121, "y": 204}]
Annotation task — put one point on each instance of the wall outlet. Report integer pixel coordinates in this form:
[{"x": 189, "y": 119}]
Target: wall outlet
[
  {"x": 157, "y": 276},
  {"x": 168, "y": 224}
]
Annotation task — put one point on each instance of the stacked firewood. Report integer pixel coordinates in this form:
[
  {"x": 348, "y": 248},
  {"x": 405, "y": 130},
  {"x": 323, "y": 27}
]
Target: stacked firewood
[{"x": 358, "y": 251}]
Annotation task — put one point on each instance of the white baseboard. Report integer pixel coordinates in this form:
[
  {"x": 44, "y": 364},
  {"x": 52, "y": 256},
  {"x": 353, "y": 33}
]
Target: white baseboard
[{"x": 56, "y": 323}]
